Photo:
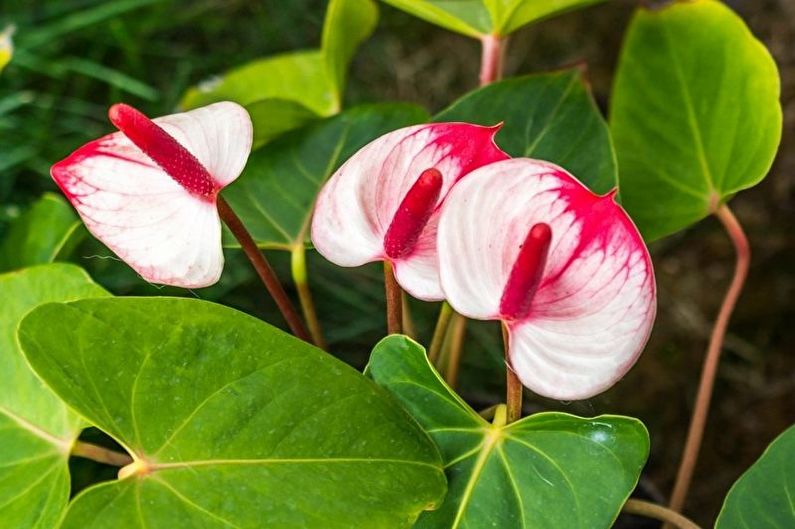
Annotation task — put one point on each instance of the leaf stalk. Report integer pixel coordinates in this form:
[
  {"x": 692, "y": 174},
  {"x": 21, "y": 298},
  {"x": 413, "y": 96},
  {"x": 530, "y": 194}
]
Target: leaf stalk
[
  {"x": 300, "y": 278},
  {"x": 658, "y": 512},
  {"x": 698, "y": 420},
  {"x": 100, "y": 454}
]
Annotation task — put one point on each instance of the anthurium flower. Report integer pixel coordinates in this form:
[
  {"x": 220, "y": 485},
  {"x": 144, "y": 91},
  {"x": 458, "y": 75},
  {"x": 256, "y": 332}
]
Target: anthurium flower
[
  {"x": 383, "y": 203},
  {"x": 149, "y": 191},
  {"x": 524, "y": 242}
]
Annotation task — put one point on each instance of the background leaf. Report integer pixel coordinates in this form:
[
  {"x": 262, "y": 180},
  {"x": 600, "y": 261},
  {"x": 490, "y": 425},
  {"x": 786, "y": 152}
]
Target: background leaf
[
  {"x": 210, "y": 401},
  {"x": 550, "y": 117},
  {"x": 476, "y": 18},
  {"x": 546, "y": 470},
  {"x": 47, "y": 230},
  {"x": 764, "y": 495},
  {"x": 348, "y": 23},
  {"x": 274, "y": 117},
  {"x": 36, "y": 428},
  {"x": 298, "y": 76},
  {"x": 469, "y": 17},
  {"x": 275, "y": 194},
  {"x": 288, "y": 90},
  {"x": 695, "y": 113},
  {"x": 510, "y": 15}
]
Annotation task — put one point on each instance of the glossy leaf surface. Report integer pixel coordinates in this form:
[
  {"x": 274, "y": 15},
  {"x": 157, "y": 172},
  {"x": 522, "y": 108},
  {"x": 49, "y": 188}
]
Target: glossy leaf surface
[
  {"x": 47, "y": 230},
  {"x": 275, "y": 194},
  {"x": 695, "y": 113},
  {"x": 36, "y": 428},
  {"x": 763, "y": 497},
  {"x": 476, "y": 18},
  {"x": 546, "y": 470},
  {"x": 233, "y": 422},
  {"x": 550, "y": 117}
]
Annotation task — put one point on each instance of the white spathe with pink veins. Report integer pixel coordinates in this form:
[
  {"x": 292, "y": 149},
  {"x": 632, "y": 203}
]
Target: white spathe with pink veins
[
  {"x": 593, "y": 311},
  {"x": 166, "y": 234},
  {"x": 356, "y": 207}
]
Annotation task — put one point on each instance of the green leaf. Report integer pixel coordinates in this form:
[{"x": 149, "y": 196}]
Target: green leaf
[
  {"x": 274, "y": 117},
  {"x": 765, "y": 494},
  {"x": 232, "y": 422},
  {"x": 298, "y": 76},
  {"x": 469, "y": 17},
  {"x": 286, "y": 91},
  {"x": 695, "y": 115},
  {"x": 45, "y": 232},
  {"x": 510, "y": 15},
  {"x": 476, "y": 18},
  {"x": 550, "y": 117},
  {"x": 36, "y": 428},
  {"x": 348, "y": 23},
  {"x": 275, "y": 194},
  {"x": 546, "y": 470}
]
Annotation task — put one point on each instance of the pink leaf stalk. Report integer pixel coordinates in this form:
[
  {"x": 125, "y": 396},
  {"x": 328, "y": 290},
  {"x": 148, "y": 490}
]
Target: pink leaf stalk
[
  {"x": 524, "y": 242},
  {"x": 149, "y": 192},
  {"x": 383, "y": 204}
]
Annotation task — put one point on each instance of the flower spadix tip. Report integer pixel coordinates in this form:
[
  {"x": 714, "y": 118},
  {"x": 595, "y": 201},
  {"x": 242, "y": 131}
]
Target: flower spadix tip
[
  {"x": 526, "y": 273},
  {"x": 413, "y": 214},
  {"x": 177, "y": 161}
]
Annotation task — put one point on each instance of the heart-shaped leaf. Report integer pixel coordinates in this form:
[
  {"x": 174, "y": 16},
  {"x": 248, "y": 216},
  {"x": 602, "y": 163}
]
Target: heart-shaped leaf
[
  {"x": 765, "y": 495},
  {"x": 546, "y": 470},
  {"x": 275, "y": 194},
  {"x": 477, "y": 18},
  {"x": 45, "y": 232},
  {"x": 232, "y": 423},
  {"x": 286, "y": 91},
  {"x": 551, "y": 117},
  {"x": 36, "y": 428},
  {"x": 695, "y": 113}
]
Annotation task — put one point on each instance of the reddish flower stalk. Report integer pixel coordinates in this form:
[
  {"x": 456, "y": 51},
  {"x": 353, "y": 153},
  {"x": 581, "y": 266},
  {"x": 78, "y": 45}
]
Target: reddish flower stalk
[
  {"x": 394, "y": 301},
  {"x": 698, "y": 421},
  {"x": 263, "y": 269}
]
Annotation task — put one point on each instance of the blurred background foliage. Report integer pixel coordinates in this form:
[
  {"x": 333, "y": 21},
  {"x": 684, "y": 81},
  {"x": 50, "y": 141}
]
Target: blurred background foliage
[{"x": 73, "y": 58}]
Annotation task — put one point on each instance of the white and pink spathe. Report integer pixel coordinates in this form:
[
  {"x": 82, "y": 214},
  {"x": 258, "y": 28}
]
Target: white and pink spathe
[
  {"x": 524, "y": 242},
  {"x": 149, "y": 192},
  {"x": 383, "y": 203}
]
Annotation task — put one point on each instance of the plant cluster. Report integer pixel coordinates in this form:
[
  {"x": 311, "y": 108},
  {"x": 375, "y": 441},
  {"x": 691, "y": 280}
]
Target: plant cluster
[{"x": 518, "y": 204}]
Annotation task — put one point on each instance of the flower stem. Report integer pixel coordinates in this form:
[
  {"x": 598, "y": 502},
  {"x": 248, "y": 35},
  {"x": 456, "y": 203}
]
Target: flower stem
[
  {"x": 263, "y": 269},
  {"x": 100, "y": 454},
  {"x": 513, "y": 386},
  {"x": 699, "y": 418},
  {"x": 394, "y": 301},
  {"x": 658, "y": 512},
  {"x": 408, "y": 322},
  {"x": 439, "y": 332},
  {"x": 491, "y": 59},
  {"x": 455, "y": 345},
  {"x": 298, "y": 269}
]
